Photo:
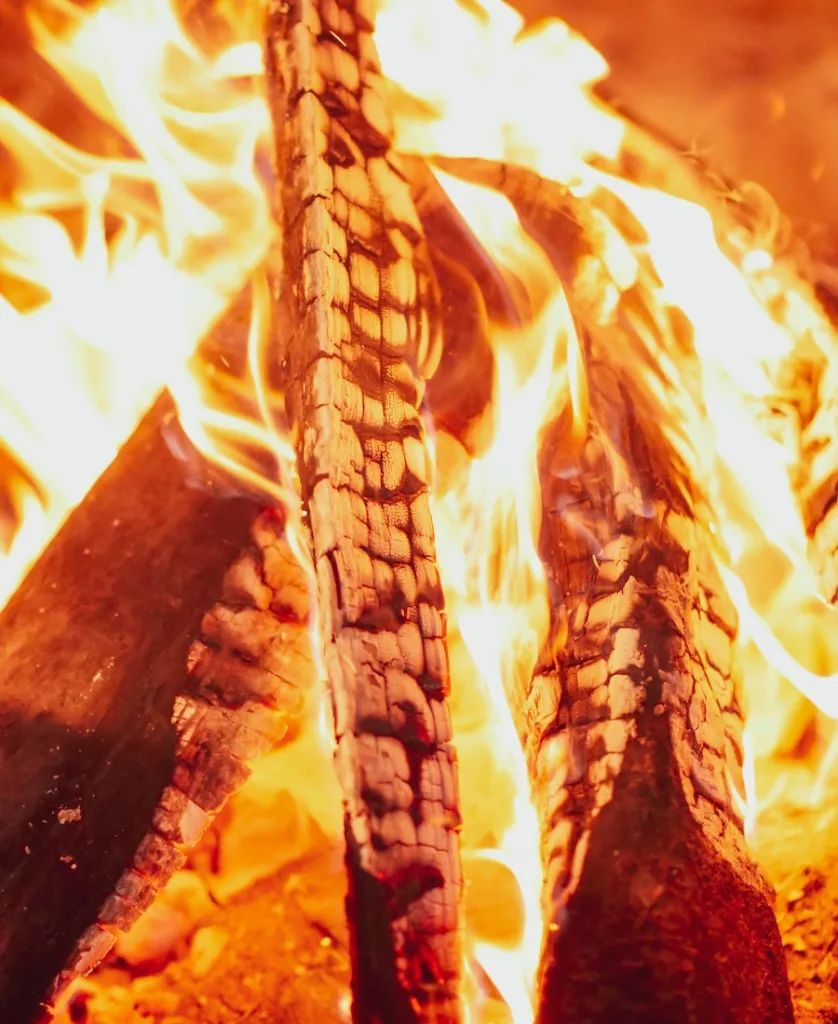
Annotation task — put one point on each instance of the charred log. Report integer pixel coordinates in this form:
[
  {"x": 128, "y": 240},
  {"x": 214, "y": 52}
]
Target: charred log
[
  {"x": 93, "y": 646},
  {"x": 634, "y": 740},
  {"x": 358, "y": 330},
  {"x": 473, "y": 295},
  {"x": 128, "y": 710},
  {"x": 632, "y": 723}
]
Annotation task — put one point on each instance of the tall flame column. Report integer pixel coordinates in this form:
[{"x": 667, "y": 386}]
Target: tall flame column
[{"x": 357, "y": 332}]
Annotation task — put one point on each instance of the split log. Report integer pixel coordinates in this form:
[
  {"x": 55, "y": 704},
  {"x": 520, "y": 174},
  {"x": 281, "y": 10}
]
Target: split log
[
  {"x": 357, "y": 331},
  {"x": 632, "y": 724},
  {"x": 97, "y": 647},
  {"x": 90, "y": 645},
  {"x": 804, "y": 407}
]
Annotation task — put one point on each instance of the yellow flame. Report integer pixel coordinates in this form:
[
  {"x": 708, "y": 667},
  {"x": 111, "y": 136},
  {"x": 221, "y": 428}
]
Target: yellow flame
[
  {"x": 486, "y": 88},
  {"x": 168, "y": 236}
]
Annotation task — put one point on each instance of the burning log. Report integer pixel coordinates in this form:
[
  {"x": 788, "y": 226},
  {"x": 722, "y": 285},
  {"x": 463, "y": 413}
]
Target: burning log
[
  {"x": 473, "y": 295},
  {"x": 98, "y": 646},
  {"x": 91, "y": 644},
  {"x": 634, "y": 741},
  {"x": 632, "y": 724},
  {"x": 358, "y": 330},
  {"x": 816, "y": 387},
  {"x": 807, "y": 392}
]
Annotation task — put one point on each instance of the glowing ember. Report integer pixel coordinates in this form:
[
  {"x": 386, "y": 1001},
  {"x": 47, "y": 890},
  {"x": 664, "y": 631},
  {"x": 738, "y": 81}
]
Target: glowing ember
[{"x": 114, "y": 269}]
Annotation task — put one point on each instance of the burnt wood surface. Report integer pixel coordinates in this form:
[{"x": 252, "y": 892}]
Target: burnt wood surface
[
  {"x": 159, "y": 645},
  {"x": 634, "y": 736},
  {"x": 632, "y": 724},
  {"x": 358, "y": 331},
  {"x": 92, "y": 652}
]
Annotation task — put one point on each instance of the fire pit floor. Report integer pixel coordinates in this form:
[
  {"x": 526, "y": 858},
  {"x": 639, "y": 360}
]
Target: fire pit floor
[{"x": 277, "y": 953}]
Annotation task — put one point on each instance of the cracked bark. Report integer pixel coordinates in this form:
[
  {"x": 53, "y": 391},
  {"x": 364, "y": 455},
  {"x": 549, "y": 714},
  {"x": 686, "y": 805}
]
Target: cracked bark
[
  {"x": 633, "y": 735},
  {"x": 94, "y": 650},
  {"x": 632, "y": 725},
  {"x": 244, "y": 681},
  {"x": 358, "y": 331}
]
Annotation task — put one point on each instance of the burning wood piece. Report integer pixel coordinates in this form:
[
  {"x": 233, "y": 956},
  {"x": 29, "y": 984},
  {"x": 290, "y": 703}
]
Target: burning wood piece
[
  {"x": 633, "y": 734},
  {"x": 572, "y": 231},
  {"x": 473, "y": 295},
  {"x": 817, "y": 407},
  {"x": 807, "y": 393},
  {"x": 358, "y": 330},
  {"x": 632, "y": 724},
  {"x": 97, "y": 643},
  {"x": 248, "y": 677},
  {"x": 93, "y": 648}
]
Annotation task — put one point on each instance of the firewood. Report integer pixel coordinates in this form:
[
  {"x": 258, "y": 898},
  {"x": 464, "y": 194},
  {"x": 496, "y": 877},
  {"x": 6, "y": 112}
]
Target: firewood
[
  {"x": 816, "y": 382},
  {"x": 632, "y": 724},
  {"x": 633, "y": 733},
  {"x": 807, "y": 386},
  {"x": 357, "y": 331},
  {"x": 806, "y": 398},
  {"x": 98, "y": 651},
  {"x": 473, "y": 296}
]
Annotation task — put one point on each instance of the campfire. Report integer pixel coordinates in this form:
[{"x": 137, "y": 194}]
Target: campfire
[{"x": 418, "y": 535}]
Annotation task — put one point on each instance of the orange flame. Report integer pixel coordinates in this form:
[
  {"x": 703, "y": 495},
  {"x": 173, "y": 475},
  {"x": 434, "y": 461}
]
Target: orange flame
[
  {"x": 168, "y": 237},
  {"x": 488, "y": 89}
]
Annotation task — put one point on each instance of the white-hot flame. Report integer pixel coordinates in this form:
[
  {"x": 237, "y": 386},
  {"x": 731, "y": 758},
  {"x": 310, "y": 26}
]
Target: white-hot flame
[{"x": 167, "y": 237}]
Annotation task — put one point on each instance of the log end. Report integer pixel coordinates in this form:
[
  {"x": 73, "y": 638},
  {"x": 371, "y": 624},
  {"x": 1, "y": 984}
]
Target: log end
[{"x": 662, "y": 926}]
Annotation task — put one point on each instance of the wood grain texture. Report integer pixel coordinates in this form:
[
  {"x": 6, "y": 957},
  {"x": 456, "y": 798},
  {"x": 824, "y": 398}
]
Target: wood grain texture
[{"x": 358, "y": 331}]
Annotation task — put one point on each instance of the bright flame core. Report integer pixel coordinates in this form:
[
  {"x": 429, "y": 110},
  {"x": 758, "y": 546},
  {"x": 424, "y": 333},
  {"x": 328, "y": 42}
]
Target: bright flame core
[
  {"x": 130, "y": 259},
  {"x": 112, "y": 270}
]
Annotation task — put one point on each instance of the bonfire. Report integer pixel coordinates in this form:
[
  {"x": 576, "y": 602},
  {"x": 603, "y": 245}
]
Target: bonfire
[{"x": 419, "y": 536}]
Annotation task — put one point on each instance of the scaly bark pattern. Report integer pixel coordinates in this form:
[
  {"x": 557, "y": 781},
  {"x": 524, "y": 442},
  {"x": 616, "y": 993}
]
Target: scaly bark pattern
[
  {"x": 633, "y": 732},
  {"x": 632, "y": 725},
  {"x": 249, "y": 675},
  {"x": 643, "y": 626},
  {"x": 358, "y": 331}
]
